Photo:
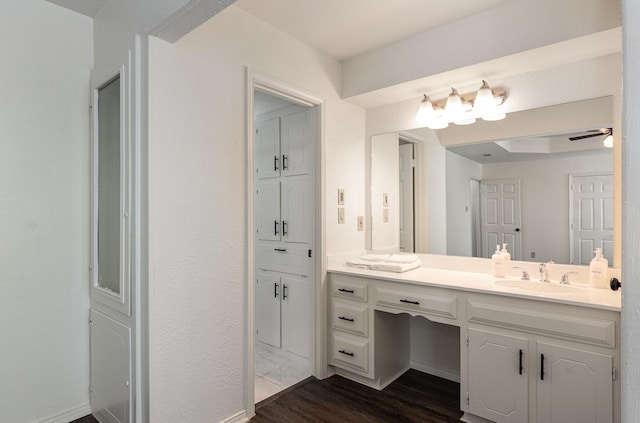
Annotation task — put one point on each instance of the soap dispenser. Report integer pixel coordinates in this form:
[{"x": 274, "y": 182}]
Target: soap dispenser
[
  {"x": 505, "y": 253},
  {"x": 598, "y": 270},
  {"x": 497, "y": 264}
]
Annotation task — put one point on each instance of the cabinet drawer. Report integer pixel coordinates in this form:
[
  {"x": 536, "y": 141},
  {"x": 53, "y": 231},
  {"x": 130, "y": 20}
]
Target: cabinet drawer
[
  {"x": 350, "y": 352},
  {"x": 283, "y": 258},
  {"x": 349, "y": 287},
  {"x": 420, "y": 302},
  {"x": 351, "y": 317}
]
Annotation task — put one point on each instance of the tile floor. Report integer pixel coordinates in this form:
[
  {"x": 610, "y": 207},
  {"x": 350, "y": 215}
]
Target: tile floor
[{"x": 275, "y": 371}]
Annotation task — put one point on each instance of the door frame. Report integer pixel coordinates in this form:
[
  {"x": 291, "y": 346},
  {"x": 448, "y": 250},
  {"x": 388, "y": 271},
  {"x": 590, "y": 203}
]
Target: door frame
[{"x": 318, "y": 355}]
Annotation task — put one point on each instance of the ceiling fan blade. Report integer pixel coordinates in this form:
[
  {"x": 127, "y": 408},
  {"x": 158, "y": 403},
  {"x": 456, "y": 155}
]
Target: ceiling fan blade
[{"x": 597, "y": 133}]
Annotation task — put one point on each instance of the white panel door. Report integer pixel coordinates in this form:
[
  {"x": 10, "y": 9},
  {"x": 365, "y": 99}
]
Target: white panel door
[
  {"x": 498, "y": 376},
  {"x": 297, "y": 212},
  {"x": 268, "y": 224},
  {"x": 500, "y": 213},
  {"x": 296, "y": 143},
  {"x": 591, "y": 217},
  {"x": 295, "y": 316},
  {"x": 406, "y": 221},
  {"x": 573, "y": 386},
  {"x": 267, "y": 148},
  {"x": 268, "y": 309},
  {"x": 111, "y": 394}
]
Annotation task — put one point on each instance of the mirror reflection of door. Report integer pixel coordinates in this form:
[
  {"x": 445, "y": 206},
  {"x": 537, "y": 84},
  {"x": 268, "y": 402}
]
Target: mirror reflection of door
[
  {"x": 500, "y": 202},
  {"x": 591, "y": 217},
  {"x": 406, "y": 194},
  {"x": 109, "y": 186}
]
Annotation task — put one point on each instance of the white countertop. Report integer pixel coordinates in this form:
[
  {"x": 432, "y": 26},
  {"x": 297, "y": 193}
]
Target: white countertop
[{"x": 574, "y": 294}]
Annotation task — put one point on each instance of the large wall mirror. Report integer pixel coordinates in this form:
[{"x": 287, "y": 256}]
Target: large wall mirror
[{"x": 541, "y": 181}]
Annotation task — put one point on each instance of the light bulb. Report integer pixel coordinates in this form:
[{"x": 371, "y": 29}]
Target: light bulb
[
  {"x": 608, "y": 141},
  {"x": 425, "y": 110},
  {"x": 453, "y": 107},
  {"x": 484, "y": 104}
]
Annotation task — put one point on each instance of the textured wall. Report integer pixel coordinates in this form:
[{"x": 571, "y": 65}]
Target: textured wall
[
  {"x": 631, "y": 214},
  {"x": 198, "y": 211},
  {"x": 44, "y": 212}
]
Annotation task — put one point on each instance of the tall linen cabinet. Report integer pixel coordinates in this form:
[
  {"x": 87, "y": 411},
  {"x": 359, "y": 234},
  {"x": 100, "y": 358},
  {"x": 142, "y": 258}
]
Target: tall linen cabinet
[{"x": 284, "y": 228}]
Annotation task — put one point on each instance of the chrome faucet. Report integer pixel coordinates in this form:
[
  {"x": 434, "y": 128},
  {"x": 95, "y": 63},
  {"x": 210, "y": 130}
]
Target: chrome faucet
[
  {"x": 544, "y": 272},
  {"x": 565, "y": 278},
  {"x": 525, "y": 274}
]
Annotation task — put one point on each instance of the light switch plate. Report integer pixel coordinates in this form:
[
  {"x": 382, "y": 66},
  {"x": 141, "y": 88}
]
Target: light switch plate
[
  {"x": 385, "y": 215},
  {"x": 385, "y": 199},
  {"x": 360, "y": 223},
  {"x": 341, "y": 215},
  {"x": 340, "y": 196}
]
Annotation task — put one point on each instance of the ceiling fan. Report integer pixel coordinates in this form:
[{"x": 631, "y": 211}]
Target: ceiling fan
[{"x": 595, "y": 133}]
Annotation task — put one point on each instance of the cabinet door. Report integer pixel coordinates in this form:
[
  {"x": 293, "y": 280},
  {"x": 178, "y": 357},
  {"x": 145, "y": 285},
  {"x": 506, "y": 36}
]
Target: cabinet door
[
  {"x": 268, "y": 309},
  {"x": 297, "y": 211},
  {"x": 576, "y": 385},
  {"x": 295, "y": 316},
  {"x": 268, "y": 223},
  {"x": 498, "y": 384},
  {"x": 296, "y": 143},
  {"x": 267, "y": 148}
]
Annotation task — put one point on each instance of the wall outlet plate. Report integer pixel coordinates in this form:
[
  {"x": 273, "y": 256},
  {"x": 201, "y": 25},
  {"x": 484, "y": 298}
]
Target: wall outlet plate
[
  {"x": 341, "y": 215},
  {"x": 360, "y": 223},
  {"x": 341, "y": 196}
]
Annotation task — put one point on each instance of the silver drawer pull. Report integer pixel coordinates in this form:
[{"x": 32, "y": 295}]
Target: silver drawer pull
[
  {"x": 410, "y": 302},
  {"x": 348, "y": 319},
  {"x": 350, "y": 354}
]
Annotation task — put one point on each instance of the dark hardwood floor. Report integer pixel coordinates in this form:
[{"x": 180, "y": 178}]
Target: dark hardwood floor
[{"x": 414, "y": 397}]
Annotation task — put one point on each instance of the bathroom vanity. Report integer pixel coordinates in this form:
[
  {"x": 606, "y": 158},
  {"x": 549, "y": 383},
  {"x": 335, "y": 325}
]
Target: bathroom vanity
[{"x": 529, "y": 351}]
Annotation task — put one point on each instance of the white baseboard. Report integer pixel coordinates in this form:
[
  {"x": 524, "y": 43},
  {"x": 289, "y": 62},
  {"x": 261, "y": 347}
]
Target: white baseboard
[
  {"x": 68, "y": 415},
  {"x": 240, "y": 417},
  {"x": 470, "y": 418},
  {"x": 436, "y": 371}
]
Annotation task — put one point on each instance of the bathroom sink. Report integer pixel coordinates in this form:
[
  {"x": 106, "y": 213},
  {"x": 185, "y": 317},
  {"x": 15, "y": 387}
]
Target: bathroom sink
[{"x": 535, "y": 286}]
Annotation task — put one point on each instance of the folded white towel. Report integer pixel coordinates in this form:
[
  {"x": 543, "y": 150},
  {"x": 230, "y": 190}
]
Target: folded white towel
[
  {"x": 402, "y": 258},
  {"x": 375, "y": 257},
  {"x": 396, "y": 267},
  {"x": 360, "y": 264}
]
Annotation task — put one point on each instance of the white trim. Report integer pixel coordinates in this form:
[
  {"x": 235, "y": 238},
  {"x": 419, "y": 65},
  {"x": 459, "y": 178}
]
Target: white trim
[
  {"x": 68, "y": 415},
  {"x": 239, "y": 417},
  {"x": 294, "y": 95},
  {"x": 435, "y": 371}
]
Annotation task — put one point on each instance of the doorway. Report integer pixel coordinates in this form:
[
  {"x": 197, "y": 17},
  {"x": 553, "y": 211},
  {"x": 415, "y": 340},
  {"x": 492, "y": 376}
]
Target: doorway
[{"x": 284, "y": 237}]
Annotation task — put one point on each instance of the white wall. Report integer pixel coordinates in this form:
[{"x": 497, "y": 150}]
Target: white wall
[
  {"x": 631, "y": 214},
  {"x": 460, "y": 171},
  {"x": 198, "y": 212},
  {"x": 544, "y": 200},
  {"x": 44, "y": 218}
]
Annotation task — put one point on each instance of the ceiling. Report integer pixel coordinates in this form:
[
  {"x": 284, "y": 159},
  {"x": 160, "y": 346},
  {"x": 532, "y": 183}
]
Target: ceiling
[
  {"x": 86, "y": 7},
  {"x": 347, "y": 28}
]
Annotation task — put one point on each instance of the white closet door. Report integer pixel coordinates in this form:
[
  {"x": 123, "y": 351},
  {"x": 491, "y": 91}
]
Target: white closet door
[
  {"x": 296, "y": 143},
  {"x": 295, "y": 316},
  {"x": 268, "y": 224},
  {"x": 297, "y": 210},
  {"x": 268, "y": 309},
  {"x": 267, "y": 148},
  {"x": 500, "y": 211}
]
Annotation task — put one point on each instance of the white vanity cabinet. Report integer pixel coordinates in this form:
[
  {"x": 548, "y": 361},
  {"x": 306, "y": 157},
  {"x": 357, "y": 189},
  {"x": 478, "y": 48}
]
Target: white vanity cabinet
[
  {"x": 538, "y": 362},
  {"x": 281, "y": 312},
  {"x": 523, "y": 358}
]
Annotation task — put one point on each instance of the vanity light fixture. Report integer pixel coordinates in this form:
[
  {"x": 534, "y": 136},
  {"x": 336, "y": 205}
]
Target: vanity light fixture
[{"x": 485, "y": 105}]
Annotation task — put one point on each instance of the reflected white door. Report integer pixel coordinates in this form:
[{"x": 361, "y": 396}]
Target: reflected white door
[
  {"x": 500, "y": 212},
  {"x": 591, "y": 217},
  {"x": 406, "y": 198}
]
